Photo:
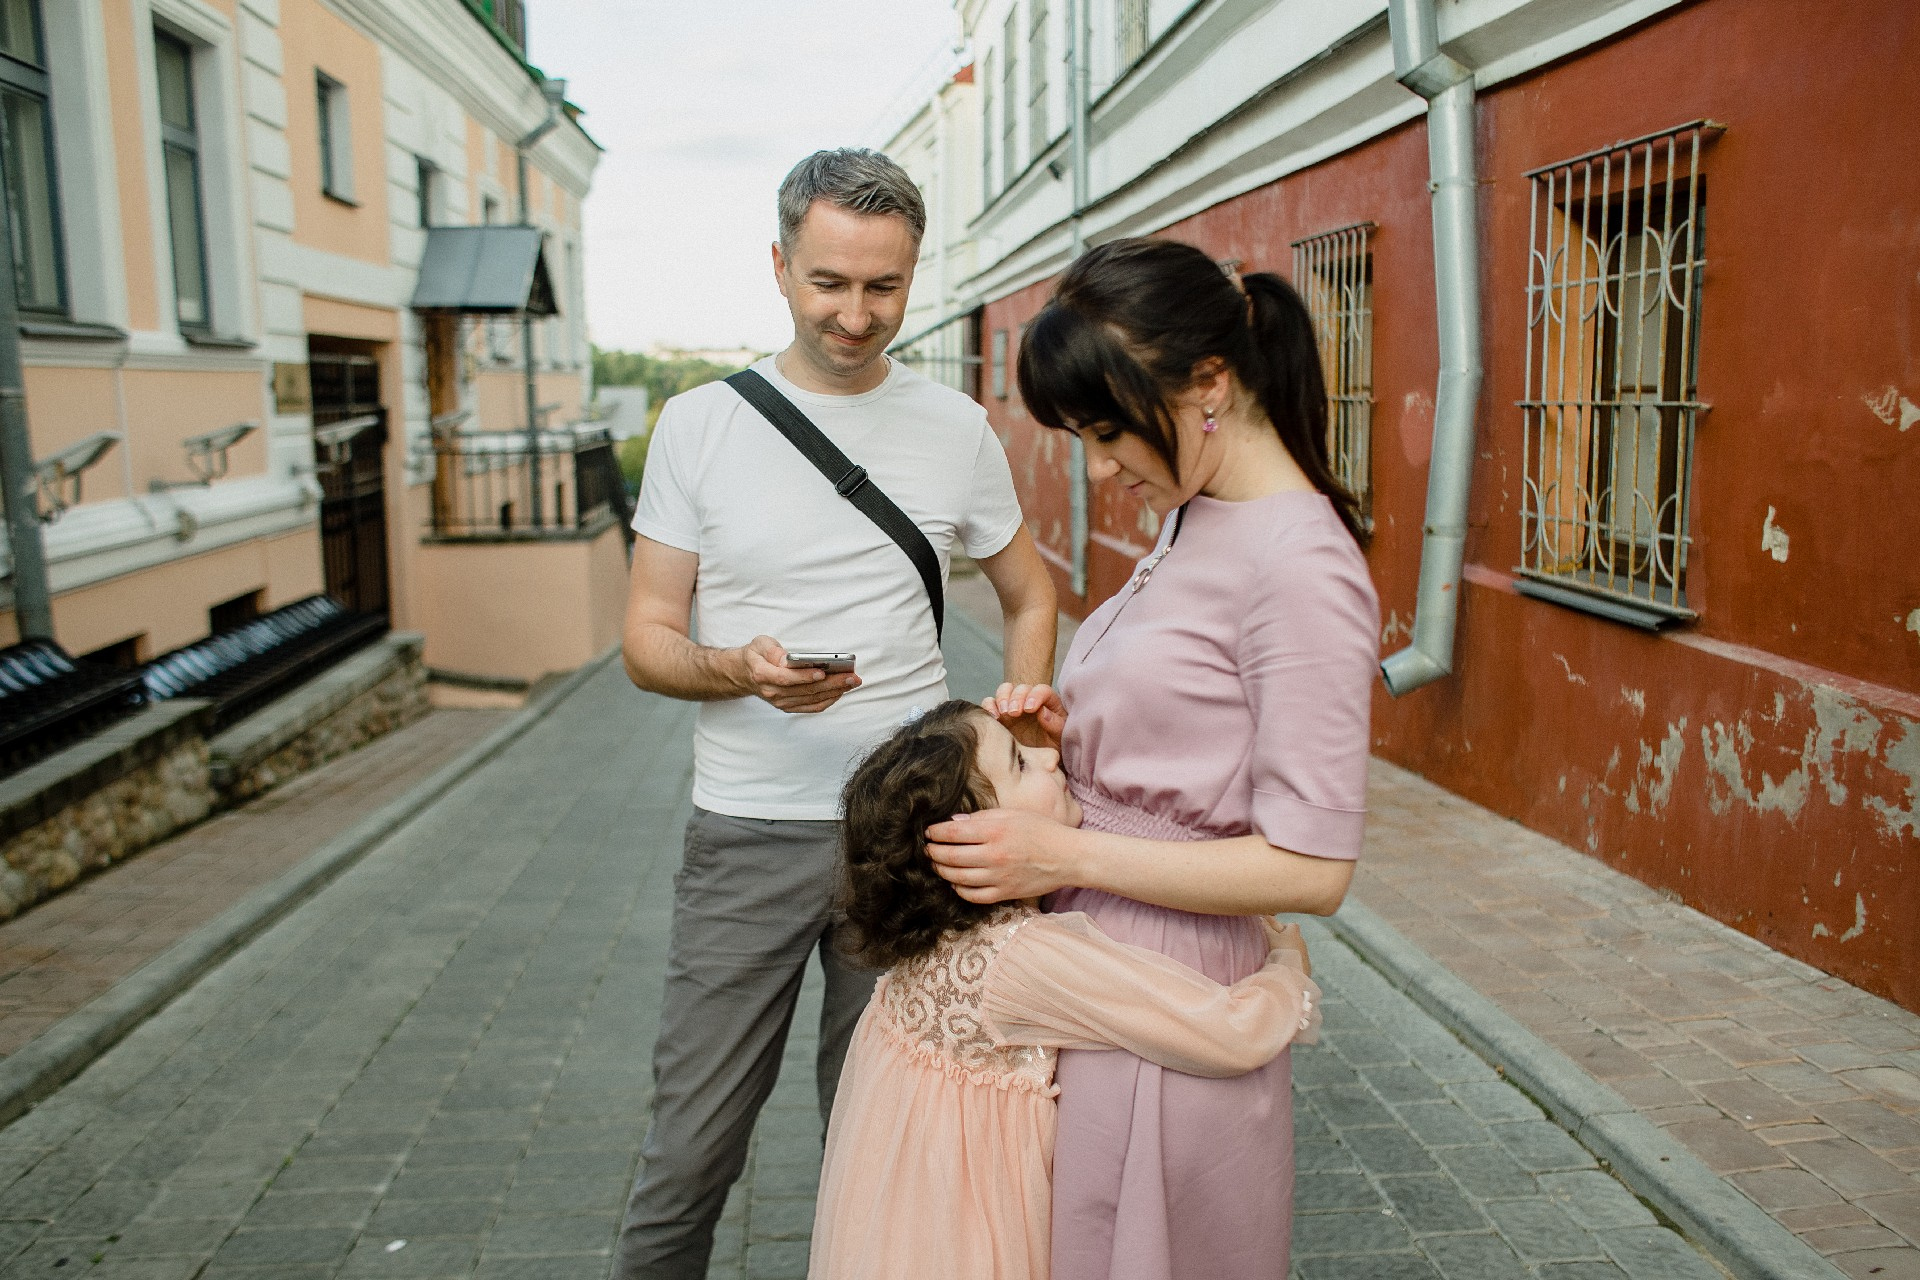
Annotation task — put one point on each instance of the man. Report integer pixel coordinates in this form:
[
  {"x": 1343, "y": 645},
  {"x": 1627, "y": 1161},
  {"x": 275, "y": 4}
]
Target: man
[{"x": 734, "y": 521}]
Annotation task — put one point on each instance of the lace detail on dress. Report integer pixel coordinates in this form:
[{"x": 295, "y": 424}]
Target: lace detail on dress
[{"x": 932, "y": 1007}]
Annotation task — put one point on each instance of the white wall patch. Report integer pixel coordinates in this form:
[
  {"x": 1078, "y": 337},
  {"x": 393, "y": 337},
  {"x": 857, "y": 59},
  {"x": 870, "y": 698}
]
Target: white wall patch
[{"x": 1773, "y": 539}]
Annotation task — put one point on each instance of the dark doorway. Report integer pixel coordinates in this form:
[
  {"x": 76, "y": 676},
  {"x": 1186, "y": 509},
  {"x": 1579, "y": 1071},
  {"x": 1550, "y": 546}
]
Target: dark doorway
[{"x": 349, "y": 442}]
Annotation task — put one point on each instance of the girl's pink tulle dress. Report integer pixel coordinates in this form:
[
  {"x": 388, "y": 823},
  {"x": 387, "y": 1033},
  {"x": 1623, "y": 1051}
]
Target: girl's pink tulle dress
[
  {"x": 1228, "y": 695},
  {"x": 938, "y": 1164}
]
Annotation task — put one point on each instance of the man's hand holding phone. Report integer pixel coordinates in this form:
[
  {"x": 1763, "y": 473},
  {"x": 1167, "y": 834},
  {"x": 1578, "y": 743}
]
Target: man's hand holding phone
[{"x": 798, "y": 690}]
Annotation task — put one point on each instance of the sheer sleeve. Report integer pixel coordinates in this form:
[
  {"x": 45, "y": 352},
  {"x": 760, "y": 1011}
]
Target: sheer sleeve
[{"x": 1061, "y": 983}]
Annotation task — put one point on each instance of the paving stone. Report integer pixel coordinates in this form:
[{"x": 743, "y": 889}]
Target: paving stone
[
  {"x": 1351, "y": 1106},
  {"x": 1540, "y": 1146},
  {"x": 1431, "y": 1203},
  {"x": 1481, "y": 1257},
  {"x": 1315, "y": 1192},
  {"x": 1542, "y": 1232},
  {"x": 1648, "y": 1253},
  {"x": 1346, "y": 1233},
  {"x": 1487, "y": 1172},
  {"x": 1372, "y": 1266},
  {"x": 1595, "y": 1200},
  {"x": 1442, "y": 1124},
  {"x": 553, "y": 1235},
  {"x": 1388, "y": 1151},
  {"x": 283, "y": 1246}
]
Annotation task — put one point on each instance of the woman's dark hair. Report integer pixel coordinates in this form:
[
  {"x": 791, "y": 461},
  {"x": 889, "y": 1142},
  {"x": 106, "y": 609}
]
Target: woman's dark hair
[
  {"x": 895, "y": 905},
  {"x": 1130, "y": 320}
]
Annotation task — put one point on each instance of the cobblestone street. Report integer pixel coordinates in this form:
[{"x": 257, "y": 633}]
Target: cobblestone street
[{"x": 438, "y": 1067}]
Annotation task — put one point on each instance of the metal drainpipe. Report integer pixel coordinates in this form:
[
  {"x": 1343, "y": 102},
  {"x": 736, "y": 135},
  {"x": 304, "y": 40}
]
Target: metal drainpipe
[
  {"x": 1077, "y": 43},
  {"x": 32, "y": 598},
  {"x": 529, "y": 372},
  {"x": 1448, "y": 88}
]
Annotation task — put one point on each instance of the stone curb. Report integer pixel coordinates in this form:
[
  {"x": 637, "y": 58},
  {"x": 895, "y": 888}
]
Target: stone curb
[
  {"x": 63, "y": 1050},
  {"x": 1736, "y": 1231}
]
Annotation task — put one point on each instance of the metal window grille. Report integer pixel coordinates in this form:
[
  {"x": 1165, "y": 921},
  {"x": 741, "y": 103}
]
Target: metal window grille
[
  {"x": 1613, "y": 289},
  {"x": 1334, "y": 273},
  {"x": 1000, "y": 364},
  {"x": 1037, "y": 134},
  {"x": 1132, "y": 31},
  {"x": 947, "y": 352},
  {"x": 1009, "y": 95}
]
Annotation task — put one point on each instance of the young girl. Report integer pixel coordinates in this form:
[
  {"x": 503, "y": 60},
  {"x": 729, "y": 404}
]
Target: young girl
[{"x": 939, "y": 1159}]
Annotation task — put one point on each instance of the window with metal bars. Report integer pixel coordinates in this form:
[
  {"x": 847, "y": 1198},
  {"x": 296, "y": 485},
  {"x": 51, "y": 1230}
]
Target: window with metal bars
[
  {"x": 1132, "y": 31},
  {"x": 1334, "y": 273},
  {"x": 1009, "y": 96},
  {"x": 1037, "y": 134},
  {"x": 1611, "y": 407}
]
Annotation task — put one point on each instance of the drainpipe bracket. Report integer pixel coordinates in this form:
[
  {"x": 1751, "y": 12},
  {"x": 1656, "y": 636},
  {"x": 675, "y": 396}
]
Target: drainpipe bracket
[{"x": 1435, "y": 76}]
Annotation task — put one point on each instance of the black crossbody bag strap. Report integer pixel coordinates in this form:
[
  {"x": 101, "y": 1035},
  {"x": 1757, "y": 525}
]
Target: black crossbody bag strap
[{"x": 849, "y": 481}]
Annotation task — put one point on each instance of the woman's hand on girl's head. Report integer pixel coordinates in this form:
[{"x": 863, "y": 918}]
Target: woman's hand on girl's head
[
  {"x": 1033, "y": 713},
  {"x": 999, "y": 855}
]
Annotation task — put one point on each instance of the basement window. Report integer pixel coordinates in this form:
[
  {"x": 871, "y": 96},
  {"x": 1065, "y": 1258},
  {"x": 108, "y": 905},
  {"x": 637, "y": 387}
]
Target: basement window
[
  {"x": 1334, "y": 273},
  {"x": 1611, "y": 407}
]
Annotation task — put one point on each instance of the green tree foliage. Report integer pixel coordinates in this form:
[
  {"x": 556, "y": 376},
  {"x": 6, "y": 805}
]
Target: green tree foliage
[{"x": 663, "y": 379}]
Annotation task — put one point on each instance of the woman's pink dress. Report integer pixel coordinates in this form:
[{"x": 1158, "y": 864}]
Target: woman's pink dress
[
  {"x": 937, "y": 1163},
  {"x": 1229, "y": 694}
]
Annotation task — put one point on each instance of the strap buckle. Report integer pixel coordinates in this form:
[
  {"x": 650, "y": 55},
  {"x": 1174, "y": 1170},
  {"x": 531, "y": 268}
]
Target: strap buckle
[{"x": 849, "y": 484}]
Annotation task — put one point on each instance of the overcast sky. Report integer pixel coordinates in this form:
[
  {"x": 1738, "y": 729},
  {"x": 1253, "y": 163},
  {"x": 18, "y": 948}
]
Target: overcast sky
[{"x": 702, "y": 106}]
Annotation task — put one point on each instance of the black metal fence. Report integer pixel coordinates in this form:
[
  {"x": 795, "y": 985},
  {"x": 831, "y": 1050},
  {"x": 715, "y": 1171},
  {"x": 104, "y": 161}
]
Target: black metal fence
[{"x": 490, "y": 485}]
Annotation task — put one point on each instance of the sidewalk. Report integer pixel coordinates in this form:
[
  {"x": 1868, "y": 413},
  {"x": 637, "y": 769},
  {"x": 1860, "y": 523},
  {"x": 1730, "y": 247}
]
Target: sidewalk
[
  {"x": 1802, "y": 1091},
  {"x": 62, "y": 953}
]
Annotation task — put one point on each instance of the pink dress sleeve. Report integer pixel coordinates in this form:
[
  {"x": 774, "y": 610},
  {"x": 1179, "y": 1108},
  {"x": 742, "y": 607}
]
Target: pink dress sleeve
[
  {"x": 1308, "y": 655},
  {"x": 1061, "y": 983}
]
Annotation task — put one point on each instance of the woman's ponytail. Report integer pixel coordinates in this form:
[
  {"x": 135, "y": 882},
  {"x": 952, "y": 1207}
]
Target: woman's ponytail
[{"x": 1282, "y": 369}]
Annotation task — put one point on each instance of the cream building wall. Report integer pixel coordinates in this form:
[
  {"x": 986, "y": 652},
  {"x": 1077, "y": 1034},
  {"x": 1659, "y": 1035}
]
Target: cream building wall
[{"x": 144, "y": 555}]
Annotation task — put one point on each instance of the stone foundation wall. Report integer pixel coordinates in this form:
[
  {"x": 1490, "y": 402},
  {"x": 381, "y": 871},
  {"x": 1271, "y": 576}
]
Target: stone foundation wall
[
  {"x": 138, "y": 809},
  {"x": 399, "y": 699},
  {"x": 157, "y": 772}
]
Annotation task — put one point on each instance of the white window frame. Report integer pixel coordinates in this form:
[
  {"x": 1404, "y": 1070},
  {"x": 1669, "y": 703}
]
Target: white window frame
[
  {"x": 333, "y": 110},
  {"x": 223, "y": 176}
]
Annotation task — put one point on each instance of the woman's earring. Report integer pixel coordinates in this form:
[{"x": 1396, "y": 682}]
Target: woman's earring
[{"x": 1210, "y": 426}]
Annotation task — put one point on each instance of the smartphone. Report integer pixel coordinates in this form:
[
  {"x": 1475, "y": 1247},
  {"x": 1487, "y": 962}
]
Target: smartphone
[{"x": 830, "y": 662}]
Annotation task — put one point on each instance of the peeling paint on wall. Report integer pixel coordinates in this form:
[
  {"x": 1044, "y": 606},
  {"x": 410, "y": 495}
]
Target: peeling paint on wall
[
  {"x": 1773, "y": 539},
  {"x": 1903, "y": 758},
  {"x": 1892, "y": 408},
  {"x": 1572, "y": 677},
  {"x": 1656, "y": 770},
  {"x": 1859, "y": 919},
  {"x": 1394, "y": 629},
  {"x": 1913, "y": 623},
  {"x": 1637, "y": 698}
]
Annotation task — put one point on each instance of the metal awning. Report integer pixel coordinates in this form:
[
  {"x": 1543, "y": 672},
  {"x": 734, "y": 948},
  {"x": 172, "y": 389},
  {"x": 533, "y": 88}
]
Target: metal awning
[{"x": 487, "y": 270}]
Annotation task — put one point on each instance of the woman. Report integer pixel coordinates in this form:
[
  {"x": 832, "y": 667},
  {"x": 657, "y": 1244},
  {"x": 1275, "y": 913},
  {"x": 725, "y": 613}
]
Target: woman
[{"x": 1213, "y": 719}]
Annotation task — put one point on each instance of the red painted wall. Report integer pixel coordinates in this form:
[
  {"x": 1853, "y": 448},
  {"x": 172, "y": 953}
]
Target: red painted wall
[{"x": 1764, "y": 762}]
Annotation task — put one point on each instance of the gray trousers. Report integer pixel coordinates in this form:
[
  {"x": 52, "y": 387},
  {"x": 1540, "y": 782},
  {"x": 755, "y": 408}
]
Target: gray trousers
[{"x": 752, "y": 901}]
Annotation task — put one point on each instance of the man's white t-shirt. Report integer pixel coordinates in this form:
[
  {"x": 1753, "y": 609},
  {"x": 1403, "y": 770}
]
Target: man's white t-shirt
[{"x": 782, "y": 554}]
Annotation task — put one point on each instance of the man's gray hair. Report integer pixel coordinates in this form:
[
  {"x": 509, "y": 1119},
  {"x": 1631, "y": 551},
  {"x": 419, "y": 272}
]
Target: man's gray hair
[{"x": 855, "y": 178}]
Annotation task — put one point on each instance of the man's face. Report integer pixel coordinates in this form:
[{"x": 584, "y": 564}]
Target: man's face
[{"x": 845, "y": 280}]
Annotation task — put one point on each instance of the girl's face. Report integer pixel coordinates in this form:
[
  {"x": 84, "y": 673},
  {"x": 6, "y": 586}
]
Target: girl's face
[{"x": 1023, "y": 777}]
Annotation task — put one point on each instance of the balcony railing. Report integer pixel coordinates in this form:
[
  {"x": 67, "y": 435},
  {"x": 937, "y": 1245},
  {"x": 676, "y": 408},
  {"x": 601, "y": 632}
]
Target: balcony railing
[{"x": 483, "y": 485}]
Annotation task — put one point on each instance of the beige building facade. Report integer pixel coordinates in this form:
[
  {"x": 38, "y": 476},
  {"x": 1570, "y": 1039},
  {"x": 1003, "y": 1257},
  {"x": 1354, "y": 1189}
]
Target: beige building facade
[{"x": 220, "y": 211}]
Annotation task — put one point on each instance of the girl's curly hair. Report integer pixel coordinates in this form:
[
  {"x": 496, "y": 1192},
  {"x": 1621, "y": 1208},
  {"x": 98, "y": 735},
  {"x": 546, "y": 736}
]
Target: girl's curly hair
[{"x": 894, "y": 904}]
